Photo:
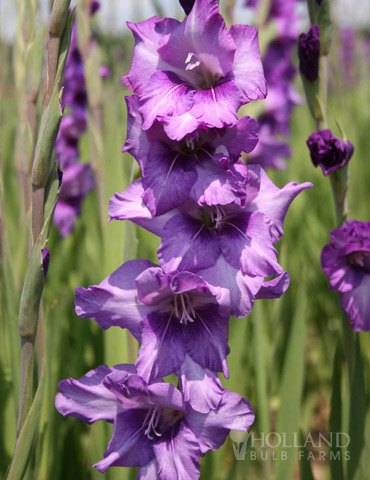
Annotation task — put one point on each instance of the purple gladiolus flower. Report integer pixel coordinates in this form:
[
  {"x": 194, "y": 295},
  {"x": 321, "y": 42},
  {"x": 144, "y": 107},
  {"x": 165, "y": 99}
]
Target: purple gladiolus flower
[
  {"x": 309, "y": 53},
  {"x": 346, "y": 262},
  {"x": 78, "y": 181},
  {"x": 187, "y": 77},
  {"x": 172, "y": 315},
  {"x": 229, "y": 246},
  {"x": 329, "y": 151},
  {"x": 200, "y": 167},
  {"x": 155, "y": 427}
]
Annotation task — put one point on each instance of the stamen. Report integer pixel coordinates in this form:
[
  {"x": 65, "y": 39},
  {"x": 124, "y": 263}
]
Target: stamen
[{"x": 153, "y": 422}]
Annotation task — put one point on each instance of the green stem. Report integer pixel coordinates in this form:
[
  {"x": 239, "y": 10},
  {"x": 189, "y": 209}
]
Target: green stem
[{"x": 323, "y": 90}]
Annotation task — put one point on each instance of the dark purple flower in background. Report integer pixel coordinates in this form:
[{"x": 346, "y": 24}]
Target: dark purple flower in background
[
  {"x": 328, "y": 151},
  {"x": 173, "y": 316},
  {"x": 346, "y": 262},
  {"x": 45, "y": 256},
  {"x": 200, "y": 167},
  {"x": 187, "y": 5},
  {"x": 309, "y": 53},
  {"x": 155, "y": 428},
  {"x": 187, "y": 77},
  {"x": 78, "y": 181}
]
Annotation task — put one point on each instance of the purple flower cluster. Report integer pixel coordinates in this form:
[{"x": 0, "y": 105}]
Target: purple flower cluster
[
  {"x": 78, "y": 179},
  {"x": 218, "y": 221},
  {"x": 273, "y": 149},
  {"x": 346, "y": 262}
]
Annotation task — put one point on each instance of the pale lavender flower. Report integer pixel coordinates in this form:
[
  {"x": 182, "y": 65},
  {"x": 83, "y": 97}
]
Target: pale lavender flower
[
  {"x": 155, "y": 428},
  {"x": 188, "y": 77},
  {"x": 173, "y": 316}
]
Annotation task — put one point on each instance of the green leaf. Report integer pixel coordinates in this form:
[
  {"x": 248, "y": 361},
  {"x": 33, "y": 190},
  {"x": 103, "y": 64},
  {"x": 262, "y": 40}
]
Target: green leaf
[
  {"x": 304, "y": 462},
  {"x": 357, "y": 414},
  {"x": 28, "y": 435},
  {"x": 335, "y": 420},
  {"x": 291, "y": 392}
]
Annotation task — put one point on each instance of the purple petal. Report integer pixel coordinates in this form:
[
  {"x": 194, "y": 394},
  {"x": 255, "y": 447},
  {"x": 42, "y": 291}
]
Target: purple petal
[
  {"x": 88, "y": 398},
  {"x": 201, "y": 44},
  {"x": 357, "y": 305},
  {"x": 216, "y": 186},
  {"x": 149, "y": 472},
  {"x": 217, "y": 106},
  {"x": 153, "y": 286},
  {"x": 206, "y": 339},
  {"x": 246, "y": 243},
  {"x": 168, "y": 179},
  {"x": 194, "y": 247},
  {"x": 211, "y": 430},
  {"x": 146, "y": 59},
  {"x": 128, "y": 205},
  {"x": 247, "y": 69},
  {"x": 178, "y": 456},
  {"x": 234, "y": 291},
  {"x": 137, "y": 143},
  {"x": 274, "y": 288},
  {"x": 273, "y": 201},
  {"x": 342, "y": 277},
  {"x": 162, "y": 349},
  {"x": 242, "y": 137},
  {"x": 165, "y": 95},
  {"x": 200, "y": 387},
  {"x": 129, "y": 446},
  {"x": 114, "y": 301}
]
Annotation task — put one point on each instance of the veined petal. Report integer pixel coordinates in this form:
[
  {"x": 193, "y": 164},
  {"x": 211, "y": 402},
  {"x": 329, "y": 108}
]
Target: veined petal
[
  {"x": 114, "y": 301},
  {"x": 274, "y": 288},
  {"x": 204, "y": 36},
  {"x": 247, "y": 68},
  {"x": 246, "y": 243},
  {"x": 162, "y": 348},
  {"x": 235, "y": 292},
  {"x": 273, "y": 201},
  {"x": 165, "y": 95},
  {"x": 200, "y": 386},
  {"x": 194, "y": 247},
  {"x": 211, "y": 430},
  {"x": 146, "y": 59},
  {"x": 128, "y": 205},
  {"x": 129, "y": 446},
  {"x": 357, "y": 305},
  {"x": 178, "y": 455},
  {"x": 87, "y": 398}
]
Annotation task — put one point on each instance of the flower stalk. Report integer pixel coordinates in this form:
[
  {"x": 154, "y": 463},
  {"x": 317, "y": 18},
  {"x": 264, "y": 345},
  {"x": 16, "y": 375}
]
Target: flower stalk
[
  {"x": 44, "y": 198},
  {"x": 320, "y": 15}
]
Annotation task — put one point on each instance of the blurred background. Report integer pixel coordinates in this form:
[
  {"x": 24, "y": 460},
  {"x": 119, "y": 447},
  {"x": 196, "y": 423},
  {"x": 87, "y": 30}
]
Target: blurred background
[{"x": 281, "y": 355}]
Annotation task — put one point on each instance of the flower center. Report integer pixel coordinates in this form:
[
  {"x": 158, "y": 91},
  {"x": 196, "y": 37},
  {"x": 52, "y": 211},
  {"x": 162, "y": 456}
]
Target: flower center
[
  {"x": 360, "y": 261},
  {"x": 184, "y": 310},
  {"x": 213, "y": 216},
  {"x": 206, "y": 78},
  {"x": 159, "y": 420}
]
